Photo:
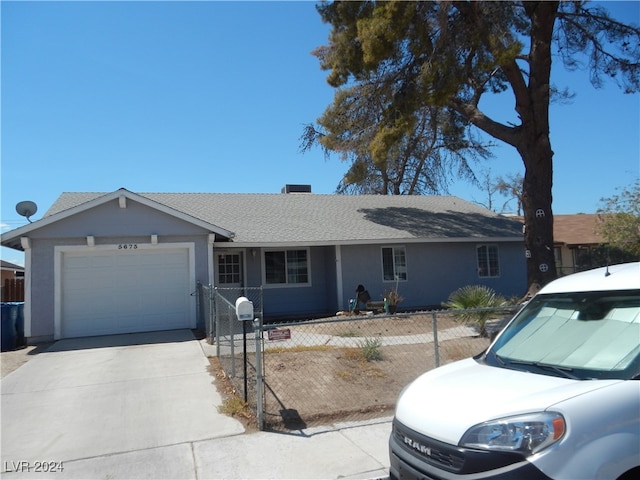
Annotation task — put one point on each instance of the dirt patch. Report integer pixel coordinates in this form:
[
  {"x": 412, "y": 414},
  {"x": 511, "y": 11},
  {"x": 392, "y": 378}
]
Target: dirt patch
[
  {"x": 378, "y": 325},
  {"x": 333, "y": 380},
  {"x": 340, "y": 383}
]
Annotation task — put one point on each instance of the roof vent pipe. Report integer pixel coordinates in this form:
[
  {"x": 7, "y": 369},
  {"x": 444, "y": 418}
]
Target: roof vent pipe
[{"x": 292, "y": 188}]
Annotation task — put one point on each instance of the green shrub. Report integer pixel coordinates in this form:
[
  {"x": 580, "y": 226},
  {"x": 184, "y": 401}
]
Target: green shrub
[
  {"x": 370, "y": 349},
  {"x": 474, "y": 297}
]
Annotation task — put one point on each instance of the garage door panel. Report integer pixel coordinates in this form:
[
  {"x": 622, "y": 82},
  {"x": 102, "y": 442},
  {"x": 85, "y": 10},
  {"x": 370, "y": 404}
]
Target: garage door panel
[{"x": 123, "y": 292}]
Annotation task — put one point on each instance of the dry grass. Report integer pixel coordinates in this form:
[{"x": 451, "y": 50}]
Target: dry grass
[
  {"x": 232, "y": 403},
  {"x": 298, "y": 349},
  {"x": 234, "y": 406}
]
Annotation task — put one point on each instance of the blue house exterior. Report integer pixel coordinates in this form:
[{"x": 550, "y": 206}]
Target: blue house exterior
[{"x": 121, "y": 262}]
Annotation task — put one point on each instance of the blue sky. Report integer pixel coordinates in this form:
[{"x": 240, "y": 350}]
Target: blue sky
[{"x": 212, "y": 97}]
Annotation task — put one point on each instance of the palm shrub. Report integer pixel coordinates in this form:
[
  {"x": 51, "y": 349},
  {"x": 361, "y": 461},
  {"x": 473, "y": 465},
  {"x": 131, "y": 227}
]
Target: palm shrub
[{"x": 472, "y": 298}]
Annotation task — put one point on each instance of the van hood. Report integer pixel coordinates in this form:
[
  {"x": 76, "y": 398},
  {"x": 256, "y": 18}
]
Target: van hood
[{"x": 444, "y": 403}]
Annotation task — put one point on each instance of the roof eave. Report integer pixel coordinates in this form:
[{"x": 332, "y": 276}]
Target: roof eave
[
  {"x": 374, "y": 241},
  {"x": 12, "y": 238}
]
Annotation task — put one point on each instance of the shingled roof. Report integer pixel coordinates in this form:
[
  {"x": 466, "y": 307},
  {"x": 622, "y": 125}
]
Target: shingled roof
[
  {"x": 10, "y": 266},
  {"x": 329, "y": 219},
  {"x": 574, "y": 230}
]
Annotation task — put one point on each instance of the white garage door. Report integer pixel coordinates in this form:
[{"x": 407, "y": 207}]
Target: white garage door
[{"x": 124, "y": 290}]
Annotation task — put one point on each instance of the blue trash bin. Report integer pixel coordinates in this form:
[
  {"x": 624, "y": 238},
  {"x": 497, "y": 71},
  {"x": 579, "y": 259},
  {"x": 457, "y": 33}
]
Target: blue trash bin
[
  {"x": 8, "y": 326},
  {"x": 20, "y": 340}
]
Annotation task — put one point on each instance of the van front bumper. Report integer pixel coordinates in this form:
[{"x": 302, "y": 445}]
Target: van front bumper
[{"x": 413, "y": 456}]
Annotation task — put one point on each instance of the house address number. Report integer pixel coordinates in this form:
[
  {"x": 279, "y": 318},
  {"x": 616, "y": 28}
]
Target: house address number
[{"x": 127, "y": 246}]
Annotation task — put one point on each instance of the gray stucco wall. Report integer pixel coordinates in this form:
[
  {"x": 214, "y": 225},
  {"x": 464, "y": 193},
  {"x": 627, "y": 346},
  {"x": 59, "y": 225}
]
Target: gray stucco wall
[
  {"x": 434, "y": 271},
  {"x": 109, "y": 225}
]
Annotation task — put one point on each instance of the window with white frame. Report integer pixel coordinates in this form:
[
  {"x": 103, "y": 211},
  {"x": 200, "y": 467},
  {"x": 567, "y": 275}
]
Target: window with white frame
[
  {"x": 394, "y": 264},
  {"x": 285, "y": 267},
  {"x": 229, "y": 268},
  {"x": 488, "y": 263}
]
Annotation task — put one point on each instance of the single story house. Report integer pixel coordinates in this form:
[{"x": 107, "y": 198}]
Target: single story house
[
  {"x": 11, "y": 282},
  {"x": 121, "y": 262},
  {"x": 574, "y": 237},
  {"x": 10, "y": 271}
]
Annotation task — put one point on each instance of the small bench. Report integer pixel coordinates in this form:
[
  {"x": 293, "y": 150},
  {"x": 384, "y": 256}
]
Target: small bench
[{"x": 371, "y": 305}]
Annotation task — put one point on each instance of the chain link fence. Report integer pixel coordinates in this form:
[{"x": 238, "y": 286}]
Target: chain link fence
[
  {"x": 353, "y": 368},
  {"x": 216, "y": 310},
  {"x": 347, "y": 368},
  {"x": 235, "y": 341}
]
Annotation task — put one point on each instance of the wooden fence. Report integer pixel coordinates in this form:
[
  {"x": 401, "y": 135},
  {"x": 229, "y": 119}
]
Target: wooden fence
[{"x": 13, "y": 290}]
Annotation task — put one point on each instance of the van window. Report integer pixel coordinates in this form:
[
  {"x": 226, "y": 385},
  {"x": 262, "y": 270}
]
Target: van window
[{"x": 577, "y": 335}]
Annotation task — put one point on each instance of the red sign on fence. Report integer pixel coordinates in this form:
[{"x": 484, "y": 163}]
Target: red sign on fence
[{"x": 280, "y": 334}]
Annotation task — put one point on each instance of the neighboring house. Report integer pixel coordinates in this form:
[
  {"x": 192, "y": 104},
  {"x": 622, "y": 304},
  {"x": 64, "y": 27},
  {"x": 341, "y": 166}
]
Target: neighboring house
[
  {"x": 575, "y": 237},
  {"x": 11, "y": 284},
  {"x": 119, "y": 262},
  {"x": 11, "y": 271}
]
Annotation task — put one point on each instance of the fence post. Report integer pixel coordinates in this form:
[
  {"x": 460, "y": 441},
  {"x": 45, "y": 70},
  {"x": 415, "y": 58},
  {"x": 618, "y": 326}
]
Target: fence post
[
  {"x": 233, "y": 342},
  {"x": 436, "y": 351},
  {"x": 210, "y": 314},
  {"x": 216, "y": 312},
  {"x": 199, "y": 317},
  {"x": 259, "y": 400}
]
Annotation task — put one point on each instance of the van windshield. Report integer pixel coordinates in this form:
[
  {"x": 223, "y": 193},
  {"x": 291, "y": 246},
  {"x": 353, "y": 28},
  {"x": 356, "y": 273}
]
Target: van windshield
[{"x": 593, "y": 335}]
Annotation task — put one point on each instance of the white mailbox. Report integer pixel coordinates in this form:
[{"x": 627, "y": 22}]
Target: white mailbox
[{"x": 244, "y": 309}]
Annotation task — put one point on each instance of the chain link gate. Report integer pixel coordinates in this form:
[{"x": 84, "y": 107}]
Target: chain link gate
[{"x": 235, "y": 341}]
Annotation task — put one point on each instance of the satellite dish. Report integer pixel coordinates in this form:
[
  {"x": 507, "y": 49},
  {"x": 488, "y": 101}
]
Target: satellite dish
[{"x": 26, "y": 209}]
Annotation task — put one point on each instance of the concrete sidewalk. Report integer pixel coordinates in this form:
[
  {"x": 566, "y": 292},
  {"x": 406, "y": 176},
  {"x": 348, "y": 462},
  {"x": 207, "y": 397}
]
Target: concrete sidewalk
[
  {"x": 351, "y": 451},
  {"x": 144, "y": 406},
  {"x": 342, "y": 451}
]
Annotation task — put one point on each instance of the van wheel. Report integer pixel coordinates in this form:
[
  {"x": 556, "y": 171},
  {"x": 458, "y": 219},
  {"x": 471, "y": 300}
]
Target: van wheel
[{"x": 632, "y": 474}]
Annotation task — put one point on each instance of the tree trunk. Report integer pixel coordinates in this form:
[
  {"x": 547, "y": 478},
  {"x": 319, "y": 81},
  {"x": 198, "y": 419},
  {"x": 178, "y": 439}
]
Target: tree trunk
[
  {"x": 532, "y": 141},
  {"x": 538, "y": 217},
  {"x": 534, "y": 147}
]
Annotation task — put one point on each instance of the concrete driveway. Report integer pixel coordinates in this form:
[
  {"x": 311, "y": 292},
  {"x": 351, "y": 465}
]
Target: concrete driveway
[{"x": 96, "y": 397}]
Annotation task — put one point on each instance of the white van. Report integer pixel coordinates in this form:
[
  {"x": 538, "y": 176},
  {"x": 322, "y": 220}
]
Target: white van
[{"x": 555, "y": 396}]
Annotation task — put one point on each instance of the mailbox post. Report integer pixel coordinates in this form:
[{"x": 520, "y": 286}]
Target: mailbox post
[{"x": 244, "y": 312}]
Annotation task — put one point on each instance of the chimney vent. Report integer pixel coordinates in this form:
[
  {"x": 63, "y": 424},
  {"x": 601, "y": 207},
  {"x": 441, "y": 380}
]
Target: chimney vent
[{"x": 291, "y": 188}]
